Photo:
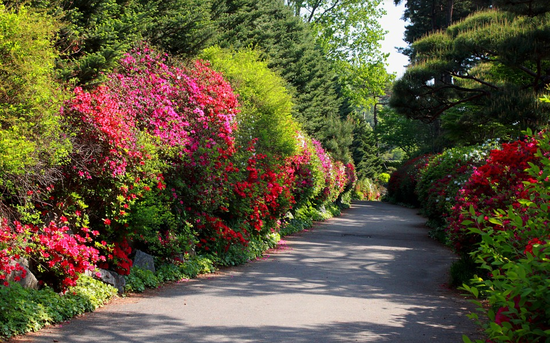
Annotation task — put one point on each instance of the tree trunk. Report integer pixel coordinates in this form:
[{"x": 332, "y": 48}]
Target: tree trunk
[{"x": 450, "y": 6}]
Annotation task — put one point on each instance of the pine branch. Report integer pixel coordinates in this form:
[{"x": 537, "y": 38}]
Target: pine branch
[{"x": 469, "y": 77}]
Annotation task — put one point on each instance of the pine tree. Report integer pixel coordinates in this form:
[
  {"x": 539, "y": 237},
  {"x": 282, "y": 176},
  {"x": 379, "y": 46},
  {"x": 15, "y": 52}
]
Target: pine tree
[
  {"x": 488, "y": 70},
  {"x": 365, "y": 151},
  {"x": 290, "y": 47}
]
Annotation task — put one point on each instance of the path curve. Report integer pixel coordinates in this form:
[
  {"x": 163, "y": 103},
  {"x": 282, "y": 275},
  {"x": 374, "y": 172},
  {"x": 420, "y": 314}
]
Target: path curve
[{"x": 370, "y": 275}]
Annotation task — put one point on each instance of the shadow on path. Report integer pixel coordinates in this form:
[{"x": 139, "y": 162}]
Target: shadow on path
[{"x": 371, "y": 275}]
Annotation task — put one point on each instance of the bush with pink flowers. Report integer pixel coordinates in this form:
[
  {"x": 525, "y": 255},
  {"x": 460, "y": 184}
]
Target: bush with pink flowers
[{"x": 155, "y": 166}]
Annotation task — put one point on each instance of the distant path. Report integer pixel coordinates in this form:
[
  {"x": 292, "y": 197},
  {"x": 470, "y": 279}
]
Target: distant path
[{"x": 370, "y": 275}]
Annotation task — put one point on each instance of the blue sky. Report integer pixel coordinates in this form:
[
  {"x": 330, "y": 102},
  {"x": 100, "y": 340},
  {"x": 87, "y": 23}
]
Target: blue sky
[{"x": 394, "y": 38}]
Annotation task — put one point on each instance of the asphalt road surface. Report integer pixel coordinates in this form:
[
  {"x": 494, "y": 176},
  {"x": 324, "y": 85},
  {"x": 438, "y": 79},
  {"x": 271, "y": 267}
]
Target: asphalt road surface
[{"x": 370, "y": 275}]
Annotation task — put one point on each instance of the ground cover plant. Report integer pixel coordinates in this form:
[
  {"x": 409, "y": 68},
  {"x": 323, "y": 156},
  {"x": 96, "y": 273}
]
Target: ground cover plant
[{"x": 23, "y": 310}]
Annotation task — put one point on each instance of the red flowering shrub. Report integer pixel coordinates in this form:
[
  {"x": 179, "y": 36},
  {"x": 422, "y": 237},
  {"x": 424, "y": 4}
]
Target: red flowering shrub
[
  {"x": 442, "y": 178},
  {"x": 119, "y": 257},
  {"x": 513, "y": 241},
  {"x": 495, "y": 185},
  {"x": 55, "y": 256},
  {"x": 340, "y": 177},
  {"x": 402, "y": 183}
]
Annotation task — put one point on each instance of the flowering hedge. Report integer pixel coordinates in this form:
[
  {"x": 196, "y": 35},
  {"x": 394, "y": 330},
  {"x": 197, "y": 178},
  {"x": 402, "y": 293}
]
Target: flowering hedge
[
  {"x": 513, "y": 244},
  {"x": 402, "y": 183},
  {"x": 497, "y": 184},
  {"x": 446, "y": 173},
  {"x": 155, "y": 167},
  {"x": 158, "y": 163}
]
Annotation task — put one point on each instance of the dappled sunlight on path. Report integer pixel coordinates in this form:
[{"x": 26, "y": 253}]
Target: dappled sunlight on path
[{"x": 371, "y": 275}]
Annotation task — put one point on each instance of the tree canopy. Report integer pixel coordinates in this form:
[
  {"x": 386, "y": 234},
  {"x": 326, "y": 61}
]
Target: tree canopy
[
  {"x": 427, "y": 16},
  {"x": 494, "y": 64},
  {"x": 290, "y": 46},
  {"x": 349, "y": 34}
]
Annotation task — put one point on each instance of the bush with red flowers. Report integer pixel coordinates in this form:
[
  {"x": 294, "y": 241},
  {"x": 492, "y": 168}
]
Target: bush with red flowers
[
  {"x": 497, "y": 184},
  {"x": 55, "y": 256},
  {"x": 402, "y": 183},
  {"x": 513, "y": 249}
]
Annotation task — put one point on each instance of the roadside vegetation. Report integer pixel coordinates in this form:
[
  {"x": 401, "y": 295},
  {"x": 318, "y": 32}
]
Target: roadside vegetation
[
  {"x": 161, "y": 130},
  {"x": 480, "y": 79}
]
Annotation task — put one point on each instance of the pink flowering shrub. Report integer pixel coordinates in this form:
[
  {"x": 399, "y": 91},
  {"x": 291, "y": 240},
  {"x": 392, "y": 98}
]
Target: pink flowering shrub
[
  {"x": 309, "y": 178},
  {"x": 330, "y": 191}
]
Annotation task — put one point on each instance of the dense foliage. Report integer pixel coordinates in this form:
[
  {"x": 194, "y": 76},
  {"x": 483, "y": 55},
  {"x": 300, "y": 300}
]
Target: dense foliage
[
  {"x": 493, "y": 205},
  {"x": 483, "y": 73},
  {"x": 121, "y": 130},
  {"x": 32, "y": 144}
]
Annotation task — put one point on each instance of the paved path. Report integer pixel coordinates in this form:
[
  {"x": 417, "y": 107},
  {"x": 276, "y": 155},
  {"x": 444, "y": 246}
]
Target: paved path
[{"x": 371, "y": 275}]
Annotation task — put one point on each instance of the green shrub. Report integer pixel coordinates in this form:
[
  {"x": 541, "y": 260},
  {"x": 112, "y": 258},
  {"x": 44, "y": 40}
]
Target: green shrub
[
  {"x": 384, "y": 178},
  {"x": 197, "y": 265},
  {"x": 32, "y": 144},
  {"x": 445, "y": 174},
  {"x": 266, "y": 104},
  {"x": 24, "y": 310}
]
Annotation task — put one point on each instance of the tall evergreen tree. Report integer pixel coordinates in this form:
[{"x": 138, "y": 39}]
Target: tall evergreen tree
[
  {"x": 490, "y": 68},
  {"x": 364, "y": 150},
  {"x": 290, "y": 46}
]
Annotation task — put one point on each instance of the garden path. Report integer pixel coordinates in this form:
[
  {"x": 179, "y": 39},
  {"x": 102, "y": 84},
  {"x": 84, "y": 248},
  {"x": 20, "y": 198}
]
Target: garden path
[{"x": 370, "y": 275}]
